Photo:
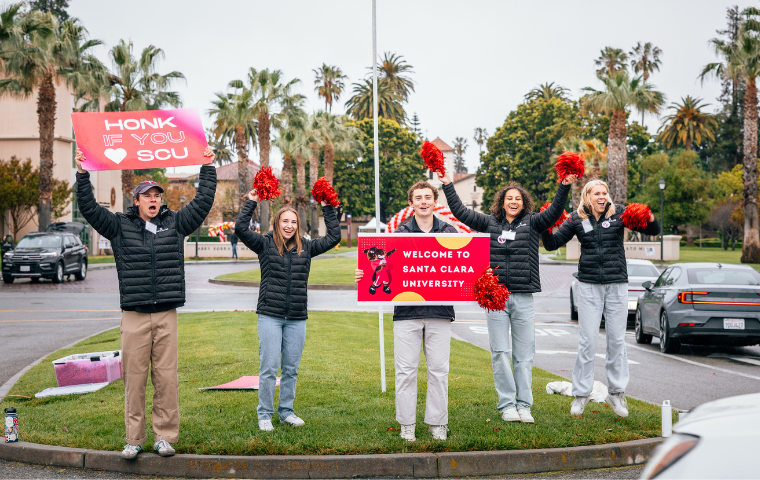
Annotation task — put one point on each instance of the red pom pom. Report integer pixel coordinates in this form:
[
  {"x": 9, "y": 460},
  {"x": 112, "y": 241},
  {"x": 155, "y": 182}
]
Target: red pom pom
[
  {"x": 324, "y": 192},
  {"x": 433, "y": 158},
  {"x": 562, "y": 217},
  {"x": 636, "y": 216},
  {"x": 570, "y": 163},
  {"x": 266, "y": 184},
  {"x": 489, "y": 293}
]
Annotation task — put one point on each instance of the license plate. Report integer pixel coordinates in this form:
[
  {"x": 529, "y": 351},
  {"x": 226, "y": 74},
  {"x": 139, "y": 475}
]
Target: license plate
[
  {"x": 25, "y": 268},
  {"x": 733, "y": 324}
]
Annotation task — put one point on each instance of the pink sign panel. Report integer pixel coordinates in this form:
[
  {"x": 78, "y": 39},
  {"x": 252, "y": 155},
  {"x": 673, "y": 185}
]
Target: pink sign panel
[
  {"x": 421, "y": 269},
  {"x": 137, "y": 140}
]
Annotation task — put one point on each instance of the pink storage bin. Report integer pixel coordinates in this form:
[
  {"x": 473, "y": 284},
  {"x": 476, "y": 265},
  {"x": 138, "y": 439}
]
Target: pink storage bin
[{"x": 85, "y": 368}]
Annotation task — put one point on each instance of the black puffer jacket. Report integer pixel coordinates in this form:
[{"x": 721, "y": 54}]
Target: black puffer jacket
[
  {"x": 517, "y": 260},
  {"x": 284, "y": 278},
  {"x": 602, "y": 252},
  {"x": 151, "y": 267},
  {"x": 433, "y": 311}
]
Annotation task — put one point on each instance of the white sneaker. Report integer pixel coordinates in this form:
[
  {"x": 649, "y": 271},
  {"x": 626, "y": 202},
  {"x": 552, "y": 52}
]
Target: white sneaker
[
  {"x": 618, "y": 403},
  {"x": 293, "y": 420},
  {"x": 439, "y": 431},
  {"x": 266, "y": 425},
  {"x": 510, "y": 415},
  {"x": 525, "y": 416},
  {"x": 578, "y": 405},
  {"x": 163, "y": 448},
  {"x": 407, "y": 432},
  {"x": 130, "y": 452}
]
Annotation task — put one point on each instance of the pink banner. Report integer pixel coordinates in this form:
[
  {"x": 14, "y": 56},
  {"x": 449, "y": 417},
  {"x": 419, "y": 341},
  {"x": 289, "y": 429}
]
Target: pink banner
[
  {"x": 421, "y": 269},
  {"x": 137, "y": 140}
]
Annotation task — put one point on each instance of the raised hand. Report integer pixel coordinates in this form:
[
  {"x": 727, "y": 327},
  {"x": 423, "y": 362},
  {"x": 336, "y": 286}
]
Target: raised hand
[
  {"x": 208, "y": 153},
  {"x": 443, "y": 178},
  {"x": 252, "y": 195},
  {"x": 358, "y": 275},
  {"x": 568, "y": 180},
  {"x": 79, "y": 158}
]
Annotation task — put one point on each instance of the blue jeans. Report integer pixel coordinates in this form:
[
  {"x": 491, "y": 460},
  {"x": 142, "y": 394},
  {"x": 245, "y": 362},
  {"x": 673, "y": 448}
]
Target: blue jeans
[
  {"x": 513, "y": 383},
  {"x": 234, "y": 250},
  {"x": 279, "y": 339}
]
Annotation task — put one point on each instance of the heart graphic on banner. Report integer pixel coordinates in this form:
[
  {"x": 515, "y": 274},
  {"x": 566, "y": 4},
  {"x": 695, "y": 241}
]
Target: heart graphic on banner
[{"x": 116, "y": 155}]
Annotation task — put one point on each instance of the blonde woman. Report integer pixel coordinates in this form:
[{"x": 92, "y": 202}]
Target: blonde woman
[
  {"x": 285, "y": 259},
  {"x": 602, "y": 290}
]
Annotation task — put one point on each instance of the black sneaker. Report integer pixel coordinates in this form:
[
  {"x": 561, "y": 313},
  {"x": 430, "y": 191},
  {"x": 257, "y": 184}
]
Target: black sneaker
[
  {"x": 372, "y": 289},
  {"x": 387, "y": 289}
]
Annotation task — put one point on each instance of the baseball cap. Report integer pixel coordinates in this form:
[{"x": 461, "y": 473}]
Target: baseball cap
[{"x": 143, "y": 187}]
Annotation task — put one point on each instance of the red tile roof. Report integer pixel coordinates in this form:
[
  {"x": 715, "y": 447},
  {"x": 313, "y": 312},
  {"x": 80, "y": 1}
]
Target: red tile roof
[
  {"x": 462, "y": 176},
  {"x": 442, "y": 146},
  {"x": 229, "y": 172}
]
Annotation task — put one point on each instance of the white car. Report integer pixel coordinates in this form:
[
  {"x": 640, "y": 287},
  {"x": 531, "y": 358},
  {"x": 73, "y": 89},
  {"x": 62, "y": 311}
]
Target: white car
[
  {"x": 716, "y": 440},
  {"x": 639, "y": 271}
]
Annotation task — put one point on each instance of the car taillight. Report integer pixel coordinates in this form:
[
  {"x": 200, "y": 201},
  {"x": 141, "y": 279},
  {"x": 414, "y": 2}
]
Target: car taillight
[
  {"x": 687, "y": 324},
  {"x": 688, "y": 297}
]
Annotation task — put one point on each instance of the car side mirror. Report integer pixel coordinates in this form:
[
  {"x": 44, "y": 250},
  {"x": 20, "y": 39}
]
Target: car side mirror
[
  {"x": 647, "y": 285},
  {"x": 575, "y": 274}
]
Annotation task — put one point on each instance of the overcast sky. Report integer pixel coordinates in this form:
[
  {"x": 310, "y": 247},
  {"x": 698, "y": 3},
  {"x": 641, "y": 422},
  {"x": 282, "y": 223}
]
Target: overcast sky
[{"x": 473, "y": 60}]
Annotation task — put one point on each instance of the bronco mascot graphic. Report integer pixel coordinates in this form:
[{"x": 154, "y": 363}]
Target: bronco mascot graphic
[{"x": 382, "y": 266}]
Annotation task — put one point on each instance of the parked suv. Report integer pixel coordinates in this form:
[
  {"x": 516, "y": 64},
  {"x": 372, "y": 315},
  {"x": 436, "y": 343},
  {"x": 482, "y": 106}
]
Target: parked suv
[{"x": 52, "y": 255}]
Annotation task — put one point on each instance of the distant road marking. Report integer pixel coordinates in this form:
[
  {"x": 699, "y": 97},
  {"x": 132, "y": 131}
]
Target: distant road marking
[
  {"x": 61, "y": 320},
  {"x": 600, "y": 355}
]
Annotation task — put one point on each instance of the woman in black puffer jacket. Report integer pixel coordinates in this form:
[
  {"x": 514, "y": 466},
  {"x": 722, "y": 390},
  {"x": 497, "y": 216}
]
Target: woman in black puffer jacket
[
  {"x": 285, "y": 259},
  {"x": 602, "y": 290},
  {"x": 514, "y": 229}
]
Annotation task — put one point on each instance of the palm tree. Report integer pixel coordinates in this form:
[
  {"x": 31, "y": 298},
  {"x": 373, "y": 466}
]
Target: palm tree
[
  {"x": 290, "y": 142},
  {"x": 389, "y": 103},
  {"x": 393, "y": 68},
  {"x": 741, "y": 62},
  {"x": 136, "y": 85},
  {"x": 621, "y": 92},
  {"x": 595, "y": 153},
  {"x": 328, "y": 82},
  {"x": 611, "y": 61},
  {"x": 235, "y": 122},
  {"x": 645, "y": 59},
  {"x": 334, "y": 135},
  {"x": 460, "y": 147},
  {"x": 547, "y": 91},
  {"x": 221, "y": 148},
  {"x": 480, "y": 137},
  {"x": 37, "y": 54},
  {"x": 688, "y": 124}
]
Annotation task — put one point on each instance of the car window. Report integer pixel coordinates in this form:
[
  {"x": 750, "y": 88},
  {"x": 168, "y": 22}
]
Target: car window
[
  {"x": 66, "y": 241},
  {"x": 661, "y": 281},
  {"x": 724, "y": 276},
  {"x": 673, "y": 277},
  {"x": 40, "y": 241},
  {"x": 77, "y": 241},
  {"x": 642, "y": 271}
]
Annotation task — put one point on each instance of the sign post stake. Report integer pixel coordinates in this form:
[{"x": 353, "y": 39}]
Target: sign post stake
[{"x": 377, "y": 179}]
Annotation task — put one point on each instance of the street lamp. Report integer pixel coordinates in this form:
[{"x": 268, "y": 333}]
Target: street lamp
[
  {"x": 661, "y": 184},
  {"x": 197, "y": 232}
]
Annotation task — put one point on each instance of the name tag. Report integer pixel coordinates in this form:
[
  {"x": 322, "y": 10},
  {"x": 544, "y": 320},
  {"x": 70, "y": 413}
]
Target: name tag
[
  {"x": 587, "y": 225},
  {"x": 151, "y": 227},
  {"x": 506, "y": 235}
]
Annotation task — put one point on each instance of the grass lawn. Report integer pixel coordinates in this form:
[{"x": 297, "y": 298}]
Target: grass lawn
[
  {"x": 338, "y": 396},
  {"x": 109, "y": 259},
  {"x": 333, "y": 251},
  {"x": 332, "y": 271}
]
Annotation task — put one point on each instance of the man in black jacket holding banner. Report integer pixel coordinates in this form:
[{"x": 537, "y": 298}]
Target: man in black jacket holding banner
[
  {"x": 148, "y": 246},
  {"x": 422, "y": 326}
]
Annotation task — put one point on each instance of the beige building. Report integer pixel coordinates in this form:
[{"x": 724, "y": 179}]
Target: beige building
[{"x": 19, "y": 136}]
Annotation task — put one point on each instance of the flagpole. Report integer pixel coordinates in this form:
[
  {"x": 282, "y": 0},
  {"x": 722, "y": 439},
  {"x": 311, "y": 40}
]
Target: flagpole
[{"x": 377, "y": 179}]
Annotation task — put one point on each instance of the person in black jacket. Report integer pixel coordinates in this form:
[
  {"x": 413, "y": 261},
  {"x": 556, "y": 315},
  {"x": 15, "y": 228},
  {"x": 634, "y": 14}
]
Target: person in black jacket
[
  {"x": 148, "y": 246},
  {"x": 514, "y": 229},
  {"x": 233, "y": 242},
  {"x": 417, "y": 327},
  {"x": 602, "y": 290},
  {"x": 285, "y": 260}
]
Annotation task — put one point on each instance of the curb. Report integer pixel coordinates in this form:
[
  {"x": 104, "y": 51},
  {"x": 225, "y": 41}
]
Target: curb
[
  {"x": 310, "y": 286},
  {"x": 417, "y": 465},
  {"x": 106, "y": 266}
]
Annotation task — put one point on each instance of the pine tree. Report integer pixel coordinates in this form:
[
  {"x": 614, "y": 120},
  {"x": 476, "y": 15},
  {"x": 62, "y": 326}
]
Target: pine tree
[{"x": 414, "y": 123}]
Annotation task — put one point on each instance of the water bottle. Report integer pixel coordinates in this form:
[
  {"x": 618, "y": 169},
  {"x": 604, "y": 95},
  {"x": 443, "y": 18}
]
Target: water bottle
[
  {"x": 11, "y": 425},
  {"x": 667, "y": 419}
]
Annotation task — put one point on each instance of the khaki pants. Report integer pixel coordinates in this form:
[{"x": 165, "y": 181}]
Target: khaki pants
[
  {"x": 150, "y": 340},
  {"x": 434, "y": 336}
]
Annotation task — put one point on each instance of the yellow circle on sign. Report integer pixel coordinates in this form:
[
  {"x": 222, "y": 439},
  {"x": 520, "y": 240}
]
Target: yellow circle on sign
[
  {"x": 454, "y": 243},
  {"x": 408, "y": 297}
]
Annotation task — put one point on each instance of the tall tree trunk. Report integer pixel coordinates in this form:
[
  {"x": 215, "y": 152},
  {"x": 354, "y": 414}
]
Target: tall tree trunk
[
  {"x": 301, "y": 189},
  {"x": 46, "y": 107},
  {"x": 313, "y": 175},
  {"x": 287, "y": 180},
  {"x": 691, "y": 232},
  {"x": 127, "y": 176},
  {"x": 751, "y": 244},
  {"x": 264, "y": 148},
  {"x": 329, "y": 161},
  {"x": 617, "y": 176},
  {"x": 244, "y": 185},
  {"x": 687, "y": 144}
]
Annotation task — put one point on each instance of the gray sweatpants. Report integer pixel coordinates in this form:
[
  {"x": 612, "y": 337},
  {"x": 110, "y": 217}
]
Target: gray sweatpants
[{"x": 593, "y": 301}]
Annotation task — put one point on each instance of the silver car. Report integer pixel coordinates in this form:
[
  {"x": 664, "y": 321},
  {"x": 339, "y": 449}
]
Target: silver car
[
  {"x": 639, "y": 271},
  {"x": 700, "y": 303}
]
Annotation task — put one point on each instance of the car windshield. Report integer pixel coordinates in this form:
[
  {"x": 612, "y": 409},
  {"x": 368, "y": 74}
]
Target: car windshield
[
  {"x": 40, "y": 241},
  {"x": 642, "y": 271},
  {"x": 724, "y": 276}
]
